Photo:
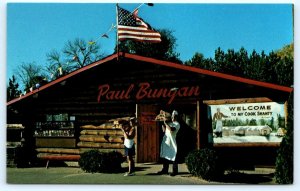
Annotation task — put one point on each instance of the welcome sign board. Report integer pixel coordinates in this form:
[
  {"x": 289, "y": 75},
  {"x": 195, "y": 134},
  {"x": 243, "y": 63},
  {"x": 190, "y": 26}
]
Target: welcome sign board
[{"x": 248, "y": 122}]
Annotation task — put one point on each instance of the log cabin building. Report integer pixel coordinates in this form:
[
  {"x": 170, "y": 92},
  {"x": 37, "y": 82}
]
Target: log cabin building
[{"x": 73, "y": 113}]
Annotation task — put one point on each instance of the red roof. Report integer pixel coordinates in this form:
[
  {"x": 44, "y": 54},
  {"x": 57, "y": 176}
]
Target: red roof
[{"x": 162, "y": 63}]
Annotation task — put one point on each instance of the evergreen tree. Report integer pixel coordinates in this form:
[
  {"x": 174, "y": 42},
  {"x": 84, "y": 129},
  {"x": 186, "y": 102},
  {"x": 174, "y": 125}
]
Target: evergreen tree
[
  {"x": 12, "y": 90},
  {"x": 272, "y": 123},
  {"x": 270, "y": 73},
  {"x": 284, "y": 173},
  {"x": 220, "y": 63},
  {"x": 254, "y": 66},
  {"x": 165, "y": 50},
  {"x": 253, "y": 122},
  {"x": 242, "y": 61},
  {"x": 198, "y": 60},
  {"x": 276, "y": 67},
  {"x": 262, "y": 122},
  {"x": 284, "y": 70}
]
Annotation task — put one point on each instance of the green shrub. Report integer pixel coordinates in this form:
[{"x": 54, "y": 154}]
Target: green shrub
[
  {"x": 284, "y": 161},
  {"x": 95, "y": 161},
  {"x": 89, "y": 161},
  {"x": 204, "y": 163}
]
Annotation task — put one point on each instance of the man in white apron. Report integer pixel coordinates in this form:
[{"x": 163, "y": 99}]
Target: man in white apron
[
  {"x": 168, "y": 148},
  {"x": 219, "y": 124}
]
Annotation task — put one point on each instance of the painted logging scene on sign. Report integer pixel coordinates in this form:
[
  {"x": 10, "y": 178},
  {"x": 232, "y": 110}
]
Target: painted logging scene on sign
[{"x": 248, "y": 122}]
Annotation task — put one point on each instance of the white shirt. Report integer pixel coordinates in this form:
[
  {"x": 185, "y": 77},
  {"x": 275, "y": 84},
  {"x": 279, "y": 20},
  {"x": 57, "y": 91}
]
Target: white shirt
[
  {"x": 168, "y": 148},
  {"x": 128, "y": 143}
]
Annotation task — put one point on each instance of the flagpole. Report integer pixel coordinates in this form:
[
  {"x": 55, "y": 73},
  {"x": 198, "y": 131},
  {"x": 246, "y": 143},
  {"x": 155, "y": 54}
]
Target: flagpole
[
  {"x": 137, "y": 7},
  {"x": 149, "y": 4},
  {"x": 113, "y": 26},
  {"x": 117, "y": 18}
]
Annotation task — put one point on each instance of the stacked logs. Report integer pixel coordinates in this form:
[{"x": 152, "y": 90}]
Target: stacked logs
[
  {"x": 106, "y": 137},
  {"x": 58, "y": 154}
]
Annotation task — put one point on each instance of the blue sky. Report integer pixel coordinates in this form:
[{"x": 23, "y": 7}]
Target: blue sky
[{"x": 34, "y": 29}]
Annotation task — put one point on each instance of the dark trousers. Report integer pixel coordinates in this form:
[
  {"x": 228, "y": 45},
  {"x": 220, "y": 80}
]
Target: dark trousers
[{"x": 166, "y": 166}]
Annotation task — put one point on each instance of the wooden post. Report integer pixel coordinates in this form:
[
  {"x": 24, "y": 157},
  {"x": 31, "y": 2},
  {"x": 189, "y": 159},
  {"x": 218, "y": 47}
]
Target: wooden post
[
  {"x": 117, "y": 25},
  {"x": 137, "y": 133},
  {"x": 198, "y": 125},
  {"x": 47, "y": 164},
  {"x": 286, "y": 113}
]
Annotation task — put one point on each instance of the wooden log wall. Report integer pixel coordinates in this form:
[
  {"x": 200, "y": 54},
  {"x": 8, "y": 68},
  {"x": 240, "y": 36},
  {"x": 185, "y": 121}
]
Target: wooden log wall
[
  {"x": 92, "y": 127},
  {"x": 106, "y": 137},
  {"x": 78, "y": 97},
  {"x": 85, "y": 113}
]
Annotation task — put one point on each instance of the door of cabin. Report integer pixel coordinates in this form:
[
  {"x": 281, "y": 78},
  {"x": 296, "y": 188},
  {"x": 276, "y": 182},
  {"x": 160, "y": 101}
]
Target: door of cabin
[{"x": 147, "y": 134}]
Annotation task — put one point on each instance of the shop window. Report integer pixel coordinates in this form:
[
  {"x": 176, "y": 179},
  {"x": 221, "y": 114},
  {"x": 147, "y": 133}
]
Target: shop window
[{"x": 57, "y": 125}]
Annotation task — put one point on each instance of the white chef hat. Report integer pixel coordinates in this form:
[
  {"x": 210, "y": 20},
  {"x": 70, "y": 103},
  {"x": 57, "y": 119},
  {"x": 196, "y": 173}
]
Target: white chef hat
[{"x": 174, "y": 113}]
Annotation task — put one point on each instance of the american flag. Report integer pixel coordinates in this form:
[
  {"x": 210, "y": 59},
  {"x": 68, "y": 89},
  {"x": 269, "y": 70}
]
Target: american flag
[{"x": 131, "y": 27}]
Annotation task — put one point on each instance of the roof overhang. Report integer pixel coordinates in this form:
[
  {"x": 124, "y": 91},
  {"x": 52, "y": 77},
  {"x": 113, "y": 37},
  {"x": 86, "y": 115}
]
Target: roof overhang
[{"x": 142, "y": 59}]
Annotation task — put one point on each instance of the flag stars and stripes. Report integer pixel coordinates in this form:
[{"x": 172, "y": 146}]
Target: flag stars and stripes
[{"x": 130, "y": 26}]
